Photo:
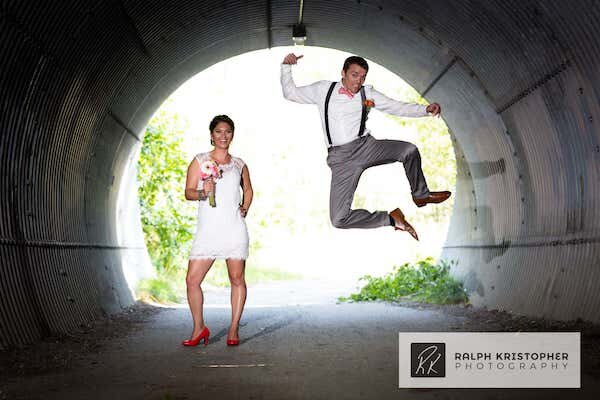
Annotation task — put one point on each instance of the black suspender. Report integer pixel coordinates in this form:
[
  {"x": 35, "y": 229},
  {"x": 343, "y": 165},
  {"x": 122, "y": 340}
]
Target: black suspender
[
  {"x": 327, "y": 111},
  {"x": 363, "y": 118}
]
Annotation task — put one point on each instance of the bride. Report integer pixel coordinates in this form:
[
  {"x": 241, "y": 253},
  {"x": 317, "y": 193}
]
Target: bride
[{"x": 221, "y": 230}]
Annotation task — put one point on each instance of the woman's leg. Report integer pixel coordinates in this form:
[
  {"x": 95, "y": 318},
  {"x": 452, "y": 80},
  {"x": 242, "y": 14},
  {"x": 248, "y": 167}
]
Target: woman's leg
[
  {"x": 197, "y": 270},
  {"x": 236, "y": 268}
]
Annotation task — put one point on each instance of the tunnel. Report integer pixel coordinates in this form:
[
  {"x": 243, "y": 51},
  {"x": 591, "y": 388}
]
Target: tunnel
[{"x": 517, "y": 81}]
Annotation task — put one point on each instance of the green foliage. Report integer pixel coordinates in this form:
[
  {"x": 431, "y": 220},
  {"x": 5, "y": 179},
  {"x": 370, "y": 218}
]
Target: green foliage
[
  {"x": 169, "y": 287},
  {"x": 218, "y": 276},
  {"x": 434, "y": 142},
  {"x": 167, "y": 219},
  {"x": 166, "y": 288},
  {"x": 425, "y": 282}
]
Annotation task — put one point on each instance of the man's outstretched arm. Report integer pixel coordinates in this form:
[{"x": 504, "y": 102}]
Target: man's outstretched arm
[
  {"x": 304, "y": 94},
  {"x": 401, "y": 109}
]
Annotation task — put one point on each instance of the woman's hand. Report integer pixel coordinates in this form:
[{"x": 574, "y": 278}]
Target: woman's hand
[
  {"x": 243, "y": 211},
  {"x": 209, "y": 186}
]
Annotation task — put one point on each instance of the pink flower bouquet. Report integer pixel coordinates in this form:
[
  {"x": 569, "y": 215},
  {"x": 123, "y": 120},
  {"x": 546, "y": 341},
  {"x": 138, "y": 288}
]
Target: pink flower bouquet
[{"x": 210, "y": 170}]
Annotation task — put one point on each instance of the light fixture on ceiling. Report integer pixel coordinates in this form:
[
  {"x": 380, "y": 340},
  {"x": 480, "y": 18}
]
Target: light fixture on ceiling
[
  {"x": 299, "y": 30},
  {"x": 299, "y": 34}
]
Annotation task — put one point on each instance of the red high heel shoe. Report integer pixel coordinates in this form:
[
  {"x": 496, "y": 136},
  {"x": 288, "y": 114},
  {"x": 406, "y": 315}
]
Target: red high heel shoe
[
  {"x": 233, "y": 342},
  {"x": 194, "y": 342}
]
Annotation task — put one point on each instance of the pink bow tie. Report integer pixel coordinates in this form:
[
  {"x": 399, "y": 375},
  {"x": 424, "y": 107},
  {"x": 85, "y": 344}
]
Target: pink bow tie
[{"x": 345, "y": 91}]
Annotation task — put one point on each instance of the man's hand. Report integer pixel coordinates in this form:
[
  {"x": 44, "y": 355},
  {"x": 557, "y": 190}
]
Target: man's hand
[
  {"x": 291, "y": 59},
  {"x": 434, "y": 109}
]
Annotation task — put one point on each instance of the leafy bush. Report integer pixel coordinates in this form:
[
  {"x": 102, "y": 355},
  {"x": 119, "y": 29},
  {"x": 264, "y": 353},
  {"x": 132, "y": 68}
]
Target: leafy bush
[
  {"x": 425, "y": 282},
  {"x": 166, "y": 288},
  {"x": 167, "y": 219}
]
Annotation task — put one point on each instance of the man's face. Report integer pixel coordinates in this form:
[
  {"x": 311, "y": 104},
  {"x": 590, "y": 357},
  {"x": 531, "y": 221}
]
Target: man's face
[{"x": 354, "y": 77}]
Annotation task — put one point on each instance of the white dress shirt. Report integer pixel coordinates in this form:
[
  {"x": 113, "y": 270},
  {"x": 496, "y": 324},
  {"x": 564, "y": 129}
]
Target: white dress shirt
[{"x": 344, "y": 112}]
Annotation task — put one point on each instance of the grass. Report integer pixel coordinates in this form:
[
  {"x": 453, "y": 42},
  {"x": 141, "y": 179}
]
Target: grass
[
  {"x": 162, "y": 289},
  {"x": 217, "y": 276},
  {"x": 169, "y": 288},
  {"x": 425, "y": 282}
]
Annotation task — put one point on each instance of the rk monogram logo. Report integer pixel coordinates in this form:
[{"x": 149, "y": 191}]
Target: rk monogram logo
[{"x": 428, "y": 360}]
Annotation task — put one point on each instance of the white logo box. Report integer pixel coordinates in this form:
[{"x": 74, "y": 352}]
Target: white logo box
[{"x": 492, "y": 360}]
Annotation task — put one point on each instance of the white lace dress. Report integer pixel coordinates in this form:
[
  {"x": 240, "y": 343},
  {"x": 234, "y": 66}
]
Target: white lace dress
[{"x": 221, "y": 231}]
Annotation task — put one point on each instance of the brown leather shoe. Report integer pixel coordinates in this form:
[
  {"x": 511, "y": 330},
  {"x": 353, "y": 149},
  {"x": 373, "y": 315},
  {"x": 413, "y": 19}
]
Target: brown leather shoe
[
  {"x": 434, "y": 197},
  {"x": 402, "y": 224}
]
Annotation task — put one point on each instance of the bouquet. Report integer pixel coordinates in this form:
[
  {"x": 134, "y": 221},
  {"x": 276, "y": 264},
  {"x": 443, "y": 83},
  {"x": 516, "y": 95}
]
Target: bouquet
[{"x": 210, "y": 170}]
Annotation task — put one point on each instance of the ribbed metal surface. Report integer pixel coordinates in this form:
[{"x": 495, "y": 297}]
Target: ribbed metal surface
[{"x": 517, "y": 80}]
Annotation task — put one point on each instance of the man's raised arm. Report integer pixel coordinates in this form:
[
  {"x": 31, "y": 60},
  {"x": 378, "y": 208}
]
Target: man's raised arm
[
  {"x": 304, "y": 94},
  {"x": 401, "y": 109}
]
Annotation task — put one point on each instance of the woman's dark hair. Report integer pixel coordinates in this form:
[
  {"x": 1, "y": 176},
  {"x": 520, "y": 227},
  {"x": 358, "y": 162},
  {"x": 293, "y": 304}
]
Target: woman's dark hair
[
  {"x": 221, "y": 118},
  {"x": 361, "y": 62}
]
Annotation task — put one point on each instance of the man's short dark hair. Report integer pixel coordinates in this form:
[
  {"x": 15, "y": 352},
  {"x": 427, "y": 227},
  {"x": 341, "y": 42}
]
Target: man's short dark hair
[
  {"x": 221, "y": 118},
  {"x": 361, "y": 62}
]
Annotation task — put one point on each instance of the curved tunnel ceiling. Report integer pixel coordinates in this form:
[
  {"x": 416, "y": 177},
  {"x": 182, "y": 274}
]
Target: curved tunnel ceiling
[{"x": 517, "y": 80}]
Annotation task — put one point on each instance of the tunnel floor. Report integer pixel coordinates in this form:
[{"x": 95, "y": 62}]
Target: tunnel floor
[{"x": 294, "y": 345}]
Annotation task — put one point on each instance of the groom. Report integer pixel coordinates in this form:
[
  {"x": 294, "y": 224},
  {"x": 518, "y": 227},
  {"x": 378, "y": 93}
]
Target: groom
[{"x": 343, "y": 107}]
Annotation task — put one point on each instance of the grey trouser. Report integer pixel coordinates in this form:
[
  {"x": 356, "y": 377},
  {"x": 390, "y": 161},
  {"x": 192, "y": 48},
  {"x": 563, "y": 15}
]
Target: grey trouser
[{"x": 347, "y": 163}]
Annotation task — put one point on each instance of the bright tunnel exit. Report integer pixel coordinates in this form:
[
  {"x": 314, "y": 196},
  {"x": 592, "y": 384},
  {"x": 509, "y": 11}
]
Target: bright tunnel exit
[{"x": 291, "y": 236}]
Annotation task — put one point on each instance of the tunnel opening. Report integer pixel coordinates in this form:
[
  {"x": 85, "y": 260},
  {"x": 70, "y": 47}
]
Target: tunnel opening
[{"x": 283, "y": 146}]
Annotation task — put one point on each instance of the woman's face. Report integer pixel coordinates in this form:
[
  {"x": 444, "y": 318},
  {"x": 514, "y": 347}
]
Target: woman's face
[{"x": 222, "y": 135}]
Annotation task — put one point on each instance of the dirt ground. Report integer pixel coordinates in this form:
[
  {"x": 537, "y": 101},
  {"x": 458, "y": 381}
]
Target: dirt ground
[
  {"x": 61, "y": 353},
  {"x": 57, "y": 353}
]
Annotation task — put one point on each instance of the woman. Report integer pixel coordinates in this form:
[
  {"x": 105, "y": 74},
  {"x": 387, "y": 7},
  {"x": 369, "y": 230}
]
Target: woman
[{"x": 221, "y": 231}]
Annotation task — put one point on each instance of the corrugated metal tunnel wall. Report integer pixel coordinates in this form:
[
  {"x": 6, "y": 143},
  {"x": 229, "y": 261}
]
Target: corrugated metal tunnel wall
[{"x": 518, "y": 82}]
